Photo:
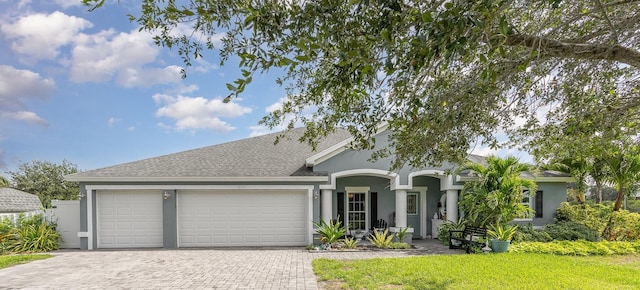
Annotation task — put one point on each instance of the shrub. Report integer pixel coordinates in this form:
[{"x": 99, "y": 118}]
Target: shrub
[
  {"x": 625, "y": 226},
  {"x": 443, "y": 232},
  {"x": 594, "y": 216},
  {"x": 380, "y": 239},
  {"x": 6, "y": 235},
  {"x": 36, "y": 238},
  {"x": 402, "y": 233},
  {"x": 330, "y": 232},
  {"x": 529, "y": 234},
  {"x": 577, "y": 248},
  {"x": 350, "y": 243},
  {"x": 399, "y": 246},
  {"x": 571, "y": 231}
]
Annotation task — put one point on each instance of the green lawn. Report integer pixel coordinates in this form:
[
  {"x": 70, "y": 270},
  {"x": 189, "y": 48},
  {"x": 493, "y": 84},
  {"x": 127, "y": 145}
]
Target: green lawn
[
  {"x": 494, "y": 271},
  {"x": 10, "y": 260}
]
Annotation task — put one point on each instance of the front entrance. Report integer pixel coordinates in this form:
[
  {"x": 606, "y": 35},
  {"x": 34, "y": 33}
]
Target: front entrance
[{"x": 357, "y": 211}]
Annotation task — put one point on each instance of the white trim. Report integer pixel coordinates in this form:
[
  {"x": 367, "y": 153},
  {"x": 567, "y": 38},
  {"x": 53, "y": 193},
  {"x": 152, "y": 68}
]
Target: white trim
[
  {"x": 367, "y": 210},
  {"x": 361, "y": 172},
  {"x": 337, "y": 148},
  {"x": 193, "y": 186},
  {"x": 198, "y": 179},
  {"x": 328, "y": 153},
  {"x": 309, "y": 215},
  {"x": 423, "y": 209}
]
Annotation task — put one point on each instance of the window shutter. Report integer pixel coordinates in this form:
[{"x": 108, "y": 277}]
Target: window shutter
[
  {"x": 340, "y": 197},
  {"x": 539, "y": 204},
  {"x": 373, "y": 212}
]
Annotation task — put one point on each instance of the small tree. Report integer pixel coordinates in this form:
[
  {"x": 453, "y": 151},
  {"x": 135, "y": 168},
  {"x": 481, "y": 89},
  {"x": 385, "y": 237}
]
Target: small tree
[
  {"x": 4, "y": 182},
  {"x": 624, "y": 171},
  {"x": 496, "y": 197},
  {"x": 46, "y": 179}
]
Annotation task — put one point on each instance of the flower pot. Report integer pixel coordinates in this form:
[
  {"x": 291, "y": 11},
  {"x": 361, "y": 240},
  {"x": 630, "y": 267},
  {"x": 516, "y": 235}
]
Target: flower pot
[{"x": 499, "y": 246}]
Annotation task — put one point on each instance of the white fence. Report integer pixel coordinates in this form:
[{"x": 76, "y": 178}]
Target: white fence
[{"x": 13, "y": 217}]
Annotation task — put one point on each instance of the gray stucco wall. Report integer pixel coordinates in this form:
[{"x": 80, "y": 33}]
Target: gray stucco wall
[
  {"x": 169, "y": 220},
  {"x": 386, "y": 197},
  {"x": 84, "y": 242},
  {"x": 433, "y": 196},
  {"x": 350, "y": 159},
  {"x": 553, "y": 195}
]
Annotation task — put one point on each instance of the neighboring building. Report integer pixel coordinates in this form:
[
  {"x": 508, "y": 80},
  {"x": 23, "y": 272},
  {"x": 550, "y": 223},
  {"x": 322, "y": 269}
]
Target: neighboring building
[
  {"x": 17, "y": 201},
  {"x": 251, "y": 192}
]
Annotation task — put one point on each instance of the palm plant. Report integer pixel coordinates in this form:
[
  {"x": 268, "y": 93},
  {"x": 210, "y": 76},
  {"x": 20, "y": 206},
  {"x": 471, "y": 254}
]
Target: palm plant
[
  {"x": 495, "y": 198},
  {"x": 578, "y": 168},
  {"x": 624, "y": 171}
]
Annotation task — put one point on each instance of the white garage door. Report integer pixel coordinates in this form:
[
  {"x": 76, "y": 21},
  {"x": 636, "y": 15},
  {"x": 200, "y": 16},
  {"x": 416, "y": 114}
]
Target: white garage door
[
  {"x": 129, "y": 219},
  {"x": 242, "y": 218}
]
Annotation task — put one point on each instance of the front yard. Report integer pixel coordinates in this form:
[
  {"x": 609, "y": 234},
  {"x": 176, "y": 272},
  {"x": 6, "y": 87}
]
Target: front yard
[
  {"x": 10, "y": 260},
  {"x": 491, "y": 271}
]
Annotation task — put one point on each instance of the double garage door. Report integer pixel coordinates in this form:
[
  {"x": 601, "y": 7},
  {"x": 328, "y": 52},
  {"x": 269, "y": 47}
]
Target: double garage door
[{"x": 205, "y": 218}]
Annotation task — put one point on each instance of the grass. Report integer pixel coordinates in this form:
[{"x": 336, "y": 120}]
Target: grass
[
  {"x": 494, "y": 271},
  {"x": 10, "y": 260}
]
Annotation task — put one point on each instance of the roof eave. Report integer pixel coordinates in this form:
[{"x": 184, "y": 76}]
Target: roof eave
[
  {"x": 337, "y": 149},
  {"x": 196, "y": 179}
]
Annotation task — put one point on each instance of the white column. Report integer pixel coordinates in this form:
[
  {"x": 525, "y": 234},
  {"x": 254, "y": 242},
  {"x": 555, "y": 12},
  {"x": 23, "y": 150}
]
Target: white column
[
  {"x": 401, "y": 208},
  {"x": 452, "y": 205},
  {"x": 326, "y": 201}
]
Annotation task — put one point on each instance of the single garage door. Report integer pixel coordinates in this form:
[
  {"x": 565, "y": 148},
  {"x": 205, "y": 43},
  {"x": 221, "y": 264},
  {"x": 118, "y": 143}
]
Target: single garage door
[
  {"x": 129, "y": 219},
  {"x": 242, "y": 218}
]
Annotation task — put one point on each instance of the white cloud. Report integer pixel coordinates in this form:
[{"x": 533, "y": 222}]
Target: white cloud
[
  {"x": 260, "y": 130},
  {"x": 134, "y": 77},
  {"x": 275, "y": 106},
  {"x": 112, "y": 121},
  {"x": 40, "y": 35},
  {"x": 68, "y": 3},
  {"x": 131, "y": 128},
  {"x": 29, "y": 117},
  {"x": 98, "y": 57},
  {"x": 197, "y": 113},
  {"x": 17, "y": 87}
]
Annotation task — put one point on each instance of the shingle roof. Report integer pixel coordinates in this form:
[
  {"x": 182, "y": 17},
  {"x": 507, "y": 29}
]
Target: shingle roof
[
  {"x": 257, "y": 156},
  {"x": 13, "y": 200}
]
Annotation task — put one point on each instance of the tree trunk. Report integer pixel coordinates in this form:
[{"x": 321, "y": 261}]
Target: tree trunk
[
  {"x": 618, "y": 204},
  {"x": 598, "y": 192}
]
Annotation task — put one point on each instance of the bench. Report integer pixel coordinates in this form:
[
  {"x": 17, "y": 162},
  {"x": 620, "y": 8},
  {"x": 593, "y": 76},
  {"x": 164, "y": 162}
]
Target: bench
[{"x": 467, "y": 237}]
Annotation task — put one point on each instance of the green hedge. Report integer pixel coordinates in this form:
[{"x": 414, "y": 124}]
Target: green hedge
[{"x": 577, "y": 248}]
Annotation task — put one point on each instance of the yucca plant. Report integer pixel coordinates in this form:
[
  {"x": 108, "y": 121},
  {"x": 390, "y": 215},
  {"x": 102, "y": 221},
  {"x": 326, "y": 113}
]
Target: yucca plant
[
  {"x": 31, "y": 237},
  {"x": 329, "y": 232},
  {"x": 350, "y": 243},
  {"x": 380, "y": 239},
  {"x": 502, "y": 233}
]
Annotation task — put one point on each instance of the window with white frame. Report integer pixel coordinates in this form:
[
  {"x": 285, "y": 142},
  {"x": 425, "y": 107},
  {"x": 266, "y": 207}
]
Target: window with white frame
[
  {"x": 357, "y": 208},
  {"x": 533, "y": 202}
]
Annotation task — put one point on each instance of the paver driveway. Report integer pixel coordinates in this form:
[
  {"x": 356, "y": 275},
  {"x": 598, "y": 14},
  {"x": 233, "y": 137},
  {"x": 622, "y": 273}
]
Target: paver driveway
[{"x": 275, "y": 268}]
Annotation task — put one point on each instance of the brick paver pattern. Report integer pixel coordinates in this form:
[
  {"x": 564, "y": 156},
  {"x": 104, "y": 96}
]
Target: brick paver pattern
[{"x": 267, "y": 268}]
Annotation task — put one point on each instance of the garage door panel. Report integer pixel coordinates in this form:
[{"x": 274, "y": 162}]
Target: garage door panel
[
  {"x": 242, "y": 217},
  {"x": 129, "y": 219}
]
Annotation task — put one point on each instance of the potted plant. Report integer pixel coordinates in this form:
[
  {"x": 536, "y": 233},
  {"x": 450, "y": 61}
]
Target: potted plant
[{"x": 501, "y": 236}]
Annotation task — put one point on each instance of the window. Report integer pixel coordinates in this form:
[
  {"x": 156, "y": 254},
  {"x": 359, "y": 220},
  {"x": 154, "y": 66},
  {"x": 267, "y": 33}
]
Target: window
[
  {"x": 357, "y": 211},
  {"x": 412, "y": 203},
  {"x": 534, "y": 203},
  {"x": 357, "y": 208}
]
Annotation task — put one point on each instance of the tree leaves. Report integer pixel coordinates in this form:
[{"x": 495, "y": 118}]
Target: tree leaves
[{"x": 493, "y": 63}]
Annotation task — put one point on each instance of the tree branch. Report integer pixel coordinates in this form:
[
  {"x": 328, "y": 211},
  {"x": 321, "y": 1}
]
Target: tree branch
[{"x": 595, "y": 51}]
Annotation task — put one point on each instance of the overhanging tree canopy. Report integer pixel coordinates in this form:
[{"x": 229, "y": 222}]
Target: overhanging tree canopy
[{"x": 442, "y": 74}]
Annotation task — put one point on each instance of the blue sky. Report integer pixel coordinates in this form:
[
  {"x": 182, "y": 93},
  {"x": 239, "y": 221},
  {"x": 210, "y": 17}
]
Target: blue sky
[{"x": 90, "y": 88}]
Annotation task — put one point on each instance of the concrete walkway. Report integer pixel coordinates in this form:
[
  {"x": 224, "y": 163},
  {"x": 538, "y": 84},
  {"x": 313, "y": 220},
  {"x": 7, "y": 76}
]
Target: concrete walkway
[{"x": 264, "y": 268}]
